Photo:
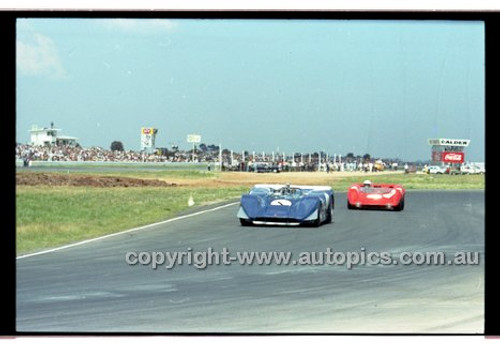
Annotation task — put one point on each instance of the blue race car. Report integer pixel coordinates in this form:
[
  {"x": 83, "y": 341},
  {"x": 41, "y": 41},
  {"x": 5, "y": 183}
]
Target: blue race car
[{"x": 286, "y": 205}]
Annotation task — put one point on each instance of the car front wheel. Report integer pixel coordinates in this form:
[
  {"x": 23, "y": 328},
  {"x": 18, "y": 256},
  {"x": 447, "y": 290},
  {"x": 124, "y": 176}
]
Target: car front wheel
[
  {"x": 317, "y": 221},
  {"x": 245, "y": 222},
  {"x": 329, "y": 212},
  {"x": 401, "y": 205}
]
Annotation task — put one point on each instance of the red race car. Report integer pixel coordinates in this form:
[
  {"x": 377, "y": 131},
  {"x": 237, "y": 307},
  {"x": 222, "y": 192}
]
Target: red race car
[{"x": 382, "y": 196}]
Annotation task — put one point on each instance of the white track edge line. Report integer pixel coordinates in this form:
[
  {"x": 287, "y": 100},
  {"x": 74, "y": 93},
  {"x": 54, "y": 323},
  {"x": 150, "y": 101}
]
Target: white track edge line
[{"x": 126, "y": 231}]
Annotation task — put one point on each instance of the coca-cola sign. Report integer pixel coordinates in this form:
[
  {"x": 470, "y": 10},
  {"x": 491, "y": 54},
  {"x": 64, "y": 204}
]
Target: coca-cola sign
[{"x": 453, "y": 157}]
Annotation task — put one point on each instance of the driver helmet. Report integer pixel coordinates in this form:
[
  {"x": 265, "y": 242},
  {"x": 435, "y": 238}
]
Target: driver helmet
[{"x": 367, "y": 183}]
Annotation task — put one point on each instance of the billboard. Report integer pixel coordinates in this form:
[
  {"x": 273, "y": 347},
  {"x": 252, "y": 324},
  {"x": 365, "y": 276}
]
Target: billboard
[
  {"x": 193, "y": 138},
  {"x": 453, "y": 157},
  {"x": 449, "y": 142},
  {"x": 148, "y": 136}
]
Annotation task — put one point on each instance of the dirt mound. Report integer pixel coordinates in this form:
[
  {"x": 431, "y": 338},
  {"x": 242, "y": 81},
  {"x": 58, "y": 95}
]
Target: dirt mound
[{"x": 33, "y": 179}]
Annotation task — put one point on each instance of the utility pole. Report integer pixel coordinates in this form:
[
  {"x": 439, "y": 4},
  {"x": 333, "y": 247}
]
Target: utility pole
[{"x": 220, "y": 157}]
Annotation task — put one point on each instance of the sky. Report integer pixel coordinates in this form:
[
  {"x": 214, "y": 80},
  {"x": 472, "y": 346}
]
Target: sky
[{"x": 381, "y": 87}]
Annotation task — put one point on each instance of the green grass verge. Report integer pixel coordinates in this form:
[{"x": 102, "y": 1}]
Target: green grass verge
[
  {"x": 48, "y": 217},
  {"x": 158, "y": 174},
  {"x": 417, "y": 182}
]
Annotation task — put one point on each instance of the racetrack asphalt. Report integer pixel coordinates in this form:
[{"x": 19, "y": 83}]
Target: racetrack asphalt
[{"x": 90, "y": 288}]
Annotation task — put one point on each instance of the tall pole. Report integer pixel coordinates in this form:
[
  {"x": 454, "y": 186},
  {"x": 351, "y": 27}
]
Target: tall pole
[{"x": 220, "y": 157}]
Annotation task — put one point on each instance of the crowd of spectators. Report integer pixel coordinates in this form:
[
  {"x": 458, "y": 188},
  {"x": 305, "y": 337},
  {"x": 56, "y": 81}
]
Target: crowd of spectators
[
  {"x": 29, "y": 153},
  {"x": 230, "y": 161}
]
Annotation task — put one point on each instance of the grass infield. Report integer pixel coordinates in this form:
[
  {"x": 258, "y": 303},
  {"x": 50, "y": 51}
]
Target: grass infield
[{"x": 51, "y": 216}]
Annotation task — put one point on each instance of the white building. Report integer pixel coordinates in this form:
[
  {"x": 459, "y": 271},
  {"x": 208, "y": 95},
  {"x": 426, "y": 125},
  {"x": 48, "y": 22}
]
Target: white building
[{"x": 50, "y": 136}]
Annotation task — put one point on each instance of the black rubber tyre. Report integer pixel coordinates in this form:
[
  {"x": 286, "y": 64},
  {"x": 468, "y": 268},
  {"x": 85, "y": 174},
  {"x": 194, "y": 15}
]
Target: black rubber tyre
[
  {"x": 317, "y": 222},
  {"x": 329, "y": 213},
  {"x": 401, "y": 205},
  {"x": 245, "y": 222}
]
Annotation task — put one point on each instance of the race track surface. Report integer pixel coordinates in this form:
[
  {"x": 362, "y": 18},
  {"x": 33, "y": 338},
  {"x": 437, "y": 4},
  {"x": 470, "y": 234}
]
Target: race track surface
[{"x": 91, "y": 288}]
